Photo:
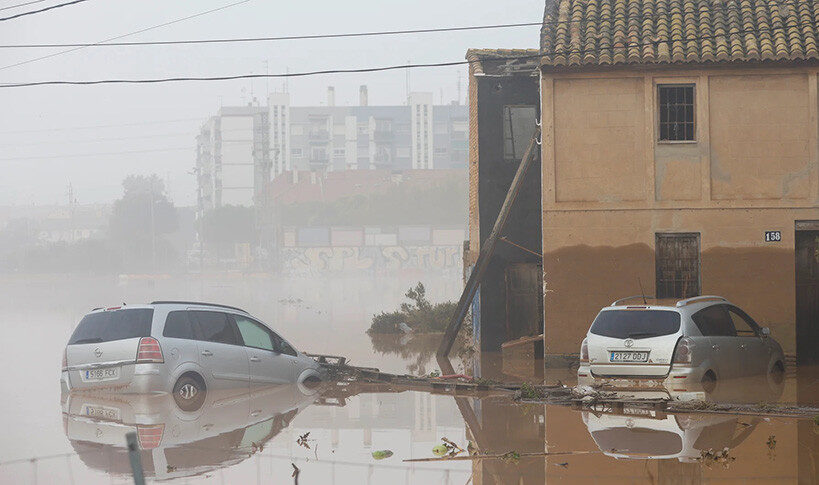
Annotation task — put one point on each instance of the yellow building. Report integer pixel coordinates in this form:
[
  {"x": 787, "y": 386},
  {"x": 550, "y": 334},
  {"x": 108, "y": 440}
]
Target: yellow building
[{"x": 679, "y": 152}]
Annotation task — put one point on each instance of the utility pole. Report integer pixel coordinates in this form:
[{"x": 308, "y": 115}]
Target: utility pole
[{"x": 153, "y": 227}]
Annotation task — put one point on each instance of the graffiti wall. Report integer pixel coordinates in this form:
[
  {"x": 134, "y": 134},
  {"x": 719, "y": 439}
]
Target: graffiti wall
[{"x": 369, "y": 259}]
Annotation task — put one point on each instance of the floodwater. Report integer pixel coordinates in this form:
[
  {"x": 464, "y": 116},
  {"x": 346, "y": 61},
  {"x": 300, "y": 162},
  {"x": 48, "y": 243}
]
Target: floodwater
[{"x": 253, "y": 438}]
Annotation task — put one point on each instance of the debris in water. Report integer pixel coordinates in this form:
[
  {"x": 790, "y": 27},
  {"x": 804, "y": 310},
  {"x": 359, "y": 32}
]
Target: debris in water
[
  {"x": 295, "y": 474},
  {"x": 565, "y": 464},
  {"x": 302, "y": 441},
  {"x": 510, "y": 457},
  {"x": 382, "y": 454},
  {"x": 171, "y": 468},
  {"x": 709, "y": 457},
  {"x": 439, "y": 450},
  {"x": 771, "y": 443},
  {"x": 254, "y": 447},
  {"x": 435, "y": 373},
  {"x": 471, "y": 448}
]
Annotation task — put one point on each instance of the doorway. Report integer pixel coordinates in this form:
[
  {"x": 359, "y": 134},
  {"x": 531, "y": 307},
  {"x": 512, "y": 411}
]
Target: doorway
[{"x": 807, "y": 291}]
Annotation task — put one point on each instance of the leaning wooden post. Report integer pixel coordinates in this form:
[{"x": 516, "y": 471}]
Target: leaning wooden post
[
  {"x": 134, "y": 458},
  {"x": 485, "y": 253}
]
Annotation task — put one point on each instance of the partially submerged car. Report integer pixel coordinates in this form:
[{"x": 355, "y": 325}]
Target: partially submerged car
[
  {"x": 185, "y": 348},
  {"x": 686, "y": 349}
]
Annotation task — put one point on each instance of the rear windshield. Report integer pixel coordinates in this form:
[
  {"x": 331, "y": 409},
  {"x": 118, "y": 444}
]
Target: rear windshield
[
  {"x": 638, "y": 441},
  {"x": 635, "y": 324},
  {"x": 113, "y": 325}
]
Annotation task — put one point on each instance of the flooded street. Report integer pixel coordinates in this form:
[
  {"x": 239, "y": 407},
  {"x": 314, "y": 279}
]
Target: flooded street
[{"x": 238, "y": 437}]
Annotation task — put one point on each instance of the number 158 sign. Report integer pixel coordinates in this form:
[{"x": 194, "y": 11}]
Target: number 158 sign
[{"x": 773, "y": 236}]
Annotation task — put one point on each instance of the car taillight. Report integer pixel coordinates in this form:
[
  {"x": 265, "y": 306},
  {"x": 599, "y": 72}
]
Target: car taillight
[
  {"x": 150, "y": 435},
  {"x": 682, "y": 354},
  {"x": 584, "y": 351},
  {"x": 149, "y": 351},
  {"x": 65, "y": 359}
]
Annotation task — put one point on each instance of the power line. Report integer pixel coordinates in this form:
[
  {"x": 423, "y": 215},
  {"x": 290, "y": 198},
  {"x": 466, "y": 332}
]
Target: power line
[
  {"x": 21, "y": 4},
  {"x": 32, "y": 12},
  {"x": 100, "y": 154},
  {"x": 279, "y": 38},
  {"x": 96, "y": 140},
  {"x": 382, "y": 68},
  {"x": 165, "y": 24},
  {"x": 639, "y": 17},
  {"x": 88, "y": 127}
]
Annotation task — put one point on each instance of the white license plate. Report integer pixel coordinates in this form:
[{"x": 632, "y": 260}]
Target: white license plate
[
  {"x": 100, "y": 412},
  {"x": 97, "y": 375},
  {"x": 629, "y": 357}
]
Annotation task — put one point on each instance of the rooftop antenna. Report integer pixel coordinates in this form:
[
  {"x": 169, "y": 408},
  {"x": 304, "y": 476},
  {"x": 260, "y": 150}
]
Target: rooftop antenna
[{"x": 642, "y": 293}]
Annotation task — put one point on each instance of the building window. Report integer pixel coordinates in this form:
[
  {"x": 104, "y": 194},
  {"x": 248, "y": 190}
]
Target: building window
[
  {"x": 677, "y": 265},
  {"x": 677, "y": 113},
  {"x": 518, "y": 128},
  {"x": 297, "y": 153}
]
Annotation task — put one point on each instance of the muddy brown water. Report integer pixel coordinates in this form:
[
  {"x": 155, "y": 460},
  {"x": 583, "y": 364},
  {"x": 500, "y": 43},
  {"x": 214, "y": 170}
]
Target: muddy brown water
[{"x": 252, "y": 438}]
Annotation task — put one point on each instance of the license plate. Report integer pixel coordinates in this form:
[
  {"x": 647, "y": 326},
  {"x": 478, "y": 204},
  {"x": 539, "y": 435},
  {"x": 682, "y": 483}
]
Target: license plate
[
  {"x": 629, "y": 357},
  {"x": 100, "y": 412},
  {"x": 97, "y": 375}
]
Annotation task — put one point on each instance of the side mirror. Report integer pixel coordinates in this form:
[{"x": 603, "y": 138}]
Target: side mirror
[{"x": 765, "y": 331}]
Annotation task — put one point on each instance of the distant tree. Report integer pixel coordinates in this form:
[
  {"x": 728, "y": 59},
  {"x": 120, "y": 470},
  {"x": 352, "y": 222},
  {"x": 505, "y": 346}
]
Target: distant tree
[
  {"x": 141, "y": 218},
  {"x": 228, "y": 224}
]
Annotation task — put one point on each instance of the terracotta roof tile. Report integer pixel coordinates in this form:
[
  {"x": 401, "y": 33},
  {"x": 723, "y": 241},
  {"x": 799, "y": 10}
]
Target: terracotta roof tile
[{"x": 589, "y": 32}]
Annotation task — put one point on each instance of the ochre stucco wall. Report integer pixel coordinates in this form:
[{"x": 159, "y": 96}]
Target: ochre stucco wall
[{"x": 609, "y": 186}]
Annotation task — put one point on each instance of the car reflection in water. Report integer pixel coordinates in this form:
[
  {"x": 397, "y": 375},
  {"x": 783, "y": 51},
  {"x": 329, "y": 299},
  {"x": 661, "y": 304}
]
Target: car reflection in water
[
  {"x": 638, "y": 433},
  {"x": 226, "y": 429}
]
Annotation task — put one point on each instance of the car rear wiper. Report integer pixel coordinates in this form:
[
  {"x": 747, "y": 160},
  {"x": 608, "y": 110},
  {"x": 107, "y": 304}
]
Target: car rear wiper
[
  {"x": 642, "y": 334},
  {"x": 94, "y": 340}
]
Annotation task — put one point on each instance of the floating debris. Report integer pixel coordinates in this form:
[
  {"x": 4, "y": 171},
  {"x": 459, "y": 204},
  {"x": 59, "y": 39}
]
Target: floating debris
[
  {"x": 382, "y": 454},
  {"x": 302, "y": 441},
  {"x": 710, "y": 457},
  {"x": 771, "y": 444}
]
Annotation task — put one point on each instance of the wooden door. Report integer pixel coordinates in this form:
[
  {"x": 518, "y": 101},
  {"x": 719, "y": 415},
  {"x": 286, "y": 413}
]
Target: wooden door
[
  {"x": 524, "y": 303},
  {"x": 807, "y": 296},
  {"x": 677, "y": 265}
]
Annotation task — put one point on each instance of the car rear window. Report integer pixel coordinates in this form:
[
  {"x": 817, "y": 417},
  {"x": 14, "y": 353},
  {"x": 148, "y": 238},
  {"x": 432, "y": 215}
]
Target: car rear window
[
  {"x": 635, "y": 324},
  {"x": 113, "y": 325},
  {"x": 179, "y": 325}
]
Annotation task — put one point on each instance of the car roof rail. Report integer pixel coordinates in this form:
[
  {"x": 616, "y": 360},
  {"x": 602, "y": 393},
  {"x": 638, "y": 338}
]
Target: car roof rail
[
  {"x": 642, "y": 297},
  {"x": 697, "y": 299},
  {"x": 178, "y": 302}
]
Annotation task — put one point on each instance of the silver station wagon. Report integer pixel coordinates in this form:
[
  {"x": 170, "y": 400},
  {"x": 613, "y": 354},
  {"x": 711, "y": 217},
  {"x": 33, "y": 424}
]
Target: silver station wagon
[
  {"x": 185, "y": 348},
  {"x": 689, "y": 348}
]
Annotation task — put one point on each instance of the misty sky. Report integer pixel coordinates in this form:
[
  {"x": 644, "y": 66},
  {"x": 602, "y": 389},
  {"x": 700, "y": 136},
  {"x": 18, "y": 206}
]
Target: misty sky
[{"x": 53, "y": 121}]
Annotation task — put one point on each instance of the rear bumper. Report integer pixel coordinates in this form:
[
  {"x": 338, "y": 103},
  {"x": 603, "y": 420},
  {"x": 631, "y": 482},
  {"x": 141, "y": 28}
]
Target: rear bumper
[
  {"x": 681, "y": 383},
  {"x": 146, "y": 379}
]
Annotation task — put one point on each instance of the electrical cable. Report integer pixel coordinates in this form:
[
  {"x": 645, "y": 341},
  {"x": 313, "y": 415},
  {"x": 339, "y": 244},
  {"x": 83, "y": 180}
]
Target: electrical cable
[
  {"x": 638, "y": 18},
  {"x": 380, "y": 68},
  {"x": 21, "y": 5},
  {"x": 279, "y": 38},
  {"x": 100, "y": 154},
  {"x": 32, "y": 12},
  {"x": 165, "y": 24}
]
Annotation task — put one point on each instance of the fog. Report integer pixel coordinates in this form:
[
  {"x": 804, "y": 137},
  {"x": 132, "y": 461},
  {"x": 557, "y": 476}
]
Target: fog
[{"x": 44, "y": 139}]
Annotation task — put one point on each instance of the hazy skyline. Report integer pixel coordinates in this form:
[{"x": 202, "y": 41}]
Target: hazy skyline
[{"x": 162, "y": 120}]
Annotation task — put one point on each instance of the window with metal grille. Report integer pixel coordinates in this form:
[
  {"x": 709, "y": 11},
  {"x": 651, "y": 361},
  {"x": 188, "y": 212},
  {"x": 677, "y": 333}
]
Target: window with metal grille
[
  {"x": 677, "y": 113},
  {"x": 677, "y": 265}
]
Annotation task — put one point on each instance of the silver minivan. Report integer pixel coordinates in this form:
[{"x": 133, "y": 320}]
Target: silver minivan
[
  {"x": 686, "y": 349},
  {"x": 181, "y": 347}
]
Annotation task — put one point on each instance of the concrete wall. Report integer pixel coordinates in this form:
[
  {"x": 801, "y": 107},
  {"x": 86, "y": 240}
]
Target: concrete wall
[{"x": 609, "y": 186}]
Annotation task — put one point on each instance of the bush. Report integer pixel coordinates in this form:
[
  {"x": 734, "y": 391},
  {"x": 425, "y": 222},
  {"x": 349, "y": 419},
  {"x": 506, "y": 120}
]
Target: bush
[{"x": 418, "y": 314}]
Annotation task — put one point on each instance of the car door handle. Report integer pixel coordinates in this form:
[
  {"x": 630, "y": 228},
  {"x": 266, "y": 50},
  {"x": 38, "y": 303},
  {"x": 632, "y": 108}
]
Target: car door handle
[
  {"x": 742, "y": 346},
  {"x": 255, "y": 359},
  {"x": 207, "y": 353},
  {"x": 715, "y": 347}
]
